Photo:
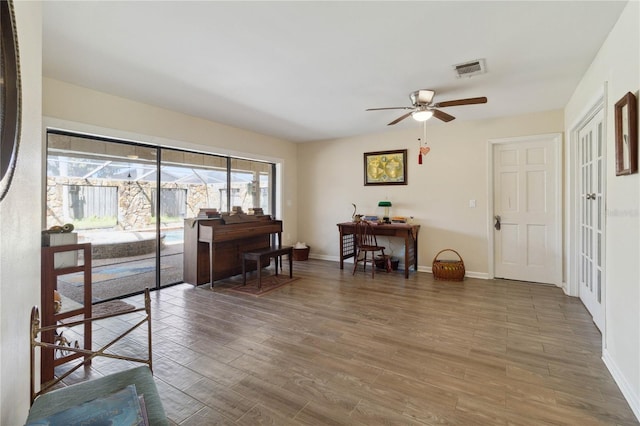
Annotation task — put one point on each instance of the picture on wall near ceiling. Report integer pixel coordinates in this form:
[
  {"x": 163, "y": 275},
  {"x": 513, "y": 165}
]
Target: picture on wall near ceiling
[
  {"x": 385, "y": 167},
  {"x": 626, "y": 118}
]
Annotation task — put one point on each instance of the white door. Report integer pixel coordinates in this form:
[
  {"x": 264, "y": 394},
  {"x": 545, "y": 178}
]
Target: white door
[
  {"x": 526, "y": 208},
  {"x": 591, "y": 215}
]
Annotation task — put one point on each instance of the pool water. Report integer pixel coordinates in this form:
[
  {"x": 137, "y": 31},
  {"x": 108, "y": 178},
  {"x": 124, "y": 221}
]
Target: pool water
[{"x": 173, "y": 236}]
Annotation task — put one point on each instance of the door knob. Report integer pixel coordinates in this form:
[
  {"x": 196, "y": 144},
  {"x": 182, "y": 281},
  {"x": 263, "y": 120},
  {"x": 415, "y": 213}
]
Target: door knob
[{"x": 497, "y": 224}]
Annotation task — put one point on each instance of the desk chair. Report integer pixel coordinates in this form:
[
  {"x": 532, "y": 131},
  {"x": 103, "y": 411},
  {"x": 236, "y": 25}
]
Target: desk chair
[{"x": 366, "y": 243}]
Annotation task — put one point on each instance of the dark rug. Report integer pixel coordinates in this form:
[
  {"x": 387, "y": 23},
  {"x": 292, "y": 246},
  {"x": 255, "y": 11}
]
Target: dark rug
[
  {"x": 106, "y": 308},
  {"x": 269, "y": 283}
]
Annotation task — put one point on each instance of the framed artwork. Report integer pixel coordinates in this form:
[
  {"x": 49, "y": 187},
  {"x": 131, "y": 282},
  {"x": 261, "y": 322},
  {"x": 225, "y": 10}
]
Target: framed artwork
[
  {"x": 385, "y": 167},
  {"x": 626, "y": 117},
  {"x": 9, "y": 97}
]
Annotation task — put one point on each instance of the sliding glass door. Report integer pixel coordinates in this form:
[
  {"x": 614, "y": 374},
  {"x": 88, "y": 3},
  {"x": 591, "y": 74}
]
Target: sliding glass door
[
  {"x": 188, "y": 182},
  {"x": 134, "y": 217},
  {"x": 105, "y": 190},
  {"x": 251, "y": 185}
]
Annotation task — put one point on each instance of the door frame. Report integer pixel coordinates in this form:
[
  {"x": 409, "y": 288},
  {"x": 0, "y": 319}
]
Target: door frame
[
  {"x": 596, "y": 104},
  {"x": 557, "y": 137}
]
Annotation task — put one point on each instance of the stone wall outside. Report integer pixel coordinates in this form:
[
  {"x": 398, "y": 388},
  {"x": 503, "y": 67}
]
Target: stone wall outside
[{"x": 134, "y": 205}]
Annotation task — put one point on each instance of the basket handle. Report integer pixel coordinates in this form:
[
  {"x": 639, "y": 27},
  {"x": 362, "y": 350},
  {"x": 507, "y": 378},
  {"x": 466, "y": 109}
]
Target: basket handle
[{"x": 441, "y": 251}]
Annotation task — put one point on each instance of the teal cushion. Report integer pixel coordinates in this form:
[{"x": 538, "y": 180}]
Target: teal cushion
[{"x": 63, "y": 398}]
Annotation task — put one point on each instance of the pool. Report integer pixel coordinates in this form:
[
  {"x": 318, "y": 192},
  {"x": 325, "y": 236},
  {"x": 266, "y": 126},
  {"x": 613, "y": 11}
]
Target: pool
[
  {"x": 173, "y": 236},
  {"x": 114, "y": 244}
]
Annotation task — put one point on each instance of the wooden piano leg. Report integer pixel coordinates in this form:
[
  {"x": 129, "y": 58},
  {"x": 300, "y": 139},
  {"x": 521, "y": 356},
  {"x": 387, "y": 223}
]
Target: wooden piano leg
[
  {"x": 211, "y": 263},
  {"x": 244, "y": 270},
  {"x": 259, "y": 268}
]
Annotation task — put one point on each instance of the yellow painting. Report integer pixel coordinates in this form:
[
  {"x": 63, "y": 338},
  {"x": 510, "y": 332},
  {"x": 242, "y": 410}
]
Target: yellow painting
[{"x": 385, "y": 168}]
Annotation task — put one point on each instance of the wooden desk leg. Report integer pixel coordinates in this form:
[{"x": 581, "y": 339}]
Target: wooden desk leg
[
  {"x": 276, "y": 259},
  {"x": 406, "y": 257},
  {"x": 341, "y": 251},
  {"x": 279, "y": 246},
  {"x": 290, "y": 264},
  {"x": 415, "y": 254}
]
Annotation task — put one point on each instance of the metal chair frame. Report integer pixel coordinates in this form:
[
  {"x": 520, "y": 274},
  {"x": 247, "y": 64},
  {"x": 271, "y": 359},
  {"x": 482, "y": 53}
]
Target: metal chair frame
[{"x": 36, "y": 329}]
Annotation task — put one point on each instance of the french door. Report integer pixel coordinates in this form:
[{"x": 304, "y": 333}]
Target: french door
[{"x": 591, "y": 216}]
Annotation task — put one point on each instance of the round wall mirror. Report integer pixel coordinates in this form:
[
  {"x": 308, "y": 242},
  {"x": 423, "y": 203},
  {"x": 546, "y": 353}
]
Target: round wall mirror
[{"x": 9, "y": 97}]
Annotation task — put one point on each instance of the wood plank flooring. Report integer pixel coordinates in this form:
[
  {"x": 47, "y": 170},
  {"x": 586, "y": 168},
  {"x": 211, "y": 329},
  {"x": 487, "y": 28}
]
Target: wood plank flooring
[{"x": 337, "y": 349}]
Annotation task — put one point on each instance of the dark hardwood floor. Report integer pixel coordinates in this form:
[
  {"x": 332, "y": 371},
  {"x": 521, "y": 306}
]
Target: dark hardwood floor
[{"x": 333, "y": 348}]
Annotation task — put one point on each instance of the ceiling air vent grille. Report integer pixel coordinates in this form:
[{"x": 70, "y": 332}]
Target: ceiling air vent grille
[{"x": 471, "y": 68}]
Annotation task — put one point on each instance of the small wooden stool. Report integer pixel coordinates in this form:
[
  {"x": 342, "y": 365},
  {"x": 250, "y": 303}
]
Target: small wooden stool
[{"x": 259, "y": 255}]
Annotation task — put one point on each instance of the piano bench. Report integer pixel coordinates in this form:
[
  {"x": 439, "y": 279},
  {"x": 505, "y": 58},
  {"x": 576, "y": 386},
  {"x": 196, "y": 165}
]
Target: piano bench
[{"x": 258, "y": 255}]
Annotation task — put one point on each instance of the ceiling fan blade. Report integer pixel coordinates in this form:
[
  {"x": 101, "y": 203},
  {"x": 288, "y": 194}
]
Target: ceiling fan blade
[
  {"x": 468, "y": 101},
  {"x": 399, "y": 119},
  {"x": 443, "y": 116},
  {"x": 380, "y": 109}
]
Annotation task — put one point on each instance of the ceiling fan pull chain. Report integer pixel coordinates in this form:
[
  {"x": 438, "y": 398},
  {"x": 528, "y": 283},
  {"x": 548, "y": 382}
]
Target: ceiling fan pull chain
[
  {"x": 424, "y": 132},
  {"x": 424, "y": 150}
]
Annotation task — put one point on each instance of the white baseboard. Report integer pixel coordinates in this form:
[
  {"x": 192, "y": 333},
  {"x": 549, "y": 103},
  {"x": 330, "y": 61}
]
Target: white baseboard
[
  {"x": 468, "y": 274},
  {"x": 427, "y": 269},
  {"x": 325, "y": 257},
  {"x": 629, "y": 394}
]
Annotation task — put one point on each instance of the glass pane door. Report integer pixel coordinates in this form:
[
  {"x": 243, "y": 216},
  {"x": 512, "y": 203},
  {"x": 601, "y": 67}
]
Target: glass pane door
[
  {"x": 251, "y": 185},
  {"x": 189, "y": 182},
  {"x": 105, "y": 190}
]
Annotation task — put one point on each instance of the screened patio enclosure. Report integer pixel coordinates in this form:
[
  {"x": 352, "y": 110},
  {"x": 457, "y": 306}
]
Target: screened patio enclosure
[{"x": 130, "y": 201}]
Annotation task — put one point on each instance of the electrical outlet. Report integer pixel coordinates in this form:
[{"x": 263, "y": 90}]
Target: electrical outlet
[{"x": 472, "y": 204}]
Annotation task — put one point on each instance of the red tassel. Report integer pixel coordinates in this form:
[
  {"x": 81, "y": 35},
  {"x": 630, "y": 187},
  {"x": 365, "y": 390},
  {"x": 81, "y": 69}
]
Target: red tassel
[{"x": 420, "y": 158}]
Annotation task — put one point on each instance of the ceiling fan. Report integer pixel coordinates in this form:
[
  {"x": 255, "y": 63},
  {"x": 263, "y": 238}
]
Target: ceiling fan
[{"x": 423, "y": 109}]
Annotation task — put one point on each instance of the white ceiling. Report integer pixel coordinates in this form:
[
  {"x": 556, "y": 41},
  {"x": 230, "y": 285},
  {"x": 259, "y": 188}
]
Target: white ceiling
[{"x": 305, "y": 71}]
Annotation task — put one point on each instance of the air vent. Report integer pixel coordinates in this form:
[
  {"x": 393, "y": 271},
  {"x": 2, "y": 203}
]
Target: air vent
[{"x": 471, "y": 68}]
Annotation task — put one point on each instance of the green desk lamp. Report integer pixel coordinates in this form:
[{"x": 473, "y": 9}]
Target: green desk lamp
[{"x": 387, "y": 206}]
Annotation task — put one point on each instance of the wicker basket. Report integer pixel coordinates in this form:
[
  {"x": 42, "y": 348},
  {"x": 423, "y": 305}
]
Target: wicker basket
[
  {"x": 448, "y": 270},
  {"x": 301, "y": 253}
]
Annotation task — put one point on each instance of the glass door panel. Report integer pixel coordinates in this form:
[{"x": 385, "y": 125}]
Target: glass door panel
[
  {"x": 104, "y": 189},
  {"x": 189, "y": 182},
  {"x": 251, "y": 185}
]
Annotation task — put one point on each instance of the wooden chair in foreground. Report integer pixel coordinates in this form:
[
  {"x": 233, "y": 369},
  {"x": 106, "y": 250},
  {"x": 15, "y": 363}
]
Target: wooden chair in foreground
[
  {"x": 366, "y": 243},
  {"x": 46, "y": 402}
]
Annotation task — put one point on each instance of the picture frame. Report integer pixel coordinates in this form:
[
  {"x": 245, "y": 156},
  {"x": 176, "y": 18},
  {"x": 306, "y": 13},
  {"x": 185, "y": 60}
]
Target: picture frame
[
  {"x": 385, "y": 167},
  {"x": 10, "y": 96},
  {"x": 626, "y": 123}
]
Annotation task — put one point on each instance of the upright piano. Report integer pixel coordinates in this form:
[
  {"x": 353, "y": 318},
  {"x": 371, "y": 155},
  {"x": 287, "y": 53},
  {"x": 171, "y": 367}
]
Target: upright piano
[{"x": 213, "y": 247}]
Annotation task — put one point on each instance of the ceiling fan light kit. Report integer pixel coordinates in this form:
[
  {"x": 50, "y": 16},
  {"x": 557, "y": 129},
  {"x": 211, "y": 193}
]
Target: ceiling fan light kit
[
  {"x": 423, "y": 109},
  {"x": 422, "y": 115}
]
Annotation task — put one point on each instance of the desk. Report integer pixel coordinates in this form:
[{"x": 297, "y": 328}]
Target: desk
[{"x": 402, "y": 230}]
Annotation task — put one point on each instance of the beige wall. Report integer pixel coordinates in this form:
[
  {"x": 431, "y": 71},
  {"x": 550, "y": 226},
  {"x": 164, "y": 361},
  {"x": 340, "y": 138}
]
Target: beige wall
[
  {"x": 321, "y": 180},
  {"x": 20, "y": 224},
  {"x": 71, "y": 107},
  {"x": 438, "y": 191},
  {"x": 618, "y": 66}
]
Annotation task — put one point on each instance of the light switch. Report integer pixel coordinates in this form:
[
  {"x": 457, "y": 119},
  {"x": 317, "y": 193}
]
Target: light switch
[{"x": 472, "y": 203}]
